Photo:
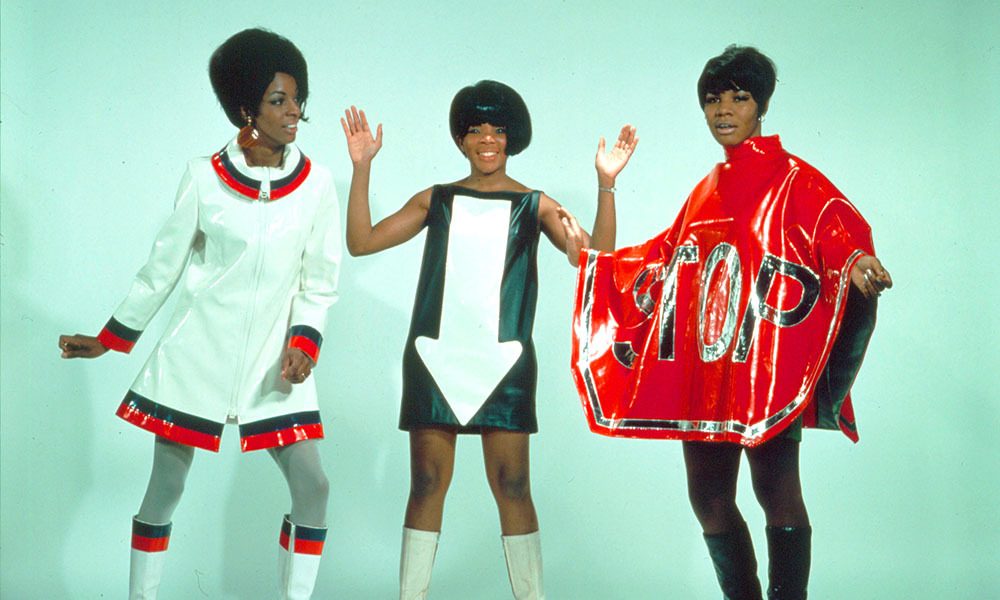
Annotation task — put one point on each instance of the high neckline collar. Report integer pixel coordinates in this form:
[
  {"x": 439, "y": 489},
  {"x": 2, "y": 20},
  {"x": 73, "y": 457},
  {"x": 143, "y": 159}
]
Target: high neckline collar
[
  {"x": 289, "y": 159},
  {"x": 261, "y": 183},
  {"x": 755, "y": 147}
]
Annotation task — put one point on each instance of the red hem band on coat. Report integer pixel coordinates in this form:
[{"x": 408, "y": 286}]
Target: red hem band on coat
[
  {"x": 284, "y": 437},
  {"x": 306, "y": 339},
  {"x": 118, "y": 337},
  {"x": 174, "y": 425}
]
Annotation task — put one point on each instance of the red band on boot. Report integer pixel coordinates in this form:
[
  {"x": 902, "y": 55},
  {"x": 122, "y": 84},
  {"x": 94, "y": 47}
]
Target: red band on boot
[{"x": 148, "y": 544}]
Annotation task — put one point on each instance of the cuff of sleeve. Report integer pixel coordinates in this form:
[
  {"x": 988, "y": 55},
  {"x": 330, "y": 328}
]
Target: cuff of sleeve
[
  {"x": 306, "y": 339},
  {"x": 118, "y": 337}
]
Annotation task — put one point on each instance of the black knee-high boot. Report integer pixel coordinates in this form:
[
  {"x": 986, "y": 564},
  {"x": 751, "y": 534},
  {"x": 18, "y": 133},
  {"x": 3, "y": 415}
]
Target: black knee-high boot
[
  {"x": 735, "y": 564},
  {"x": 788, "y": 555}
]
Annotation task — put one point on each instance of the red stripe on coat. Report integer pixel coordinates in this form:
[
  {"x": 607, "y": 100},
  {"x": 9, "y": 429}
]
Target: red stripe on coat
[
  {"x": 231, "y": 181},
  {"x": 171, "y": 431},
  {"x": 282, "y": 437},
  {"x": 283, "y": 539},
  {"x": 306, "y": 345},
  {"x": 113, "y": 342},
  {"x": 295, "y": 183}
]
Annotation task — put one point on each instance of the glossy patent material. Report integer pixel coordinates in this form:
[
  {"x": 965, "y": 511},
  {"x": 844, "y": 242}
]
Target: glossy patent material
[
  {"x": 735, "y": 320},
  {"x": 253, "y": 278},
  {"x": 469, "y": 360}
]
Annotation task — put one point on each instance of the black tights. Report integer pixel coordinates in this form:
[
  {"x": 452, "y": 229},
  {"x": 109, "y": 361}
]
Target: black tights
[{"x": 712, "y": 470}]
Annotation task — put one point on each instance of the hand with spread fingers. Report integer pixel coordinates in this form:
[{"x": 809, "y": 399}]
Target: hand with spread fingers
[
  {"x": 81, "y": 346},
  {"x": 295, "y": 365},
  {"x": 609, "y": 163},
  {"x": 870, "y": 277},
  {"x": 361, "y": 144}
]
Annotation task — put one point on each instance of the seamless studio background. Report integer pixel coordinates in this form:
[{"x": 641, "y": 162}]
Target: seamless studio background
[{"x": 101, "y": 105}]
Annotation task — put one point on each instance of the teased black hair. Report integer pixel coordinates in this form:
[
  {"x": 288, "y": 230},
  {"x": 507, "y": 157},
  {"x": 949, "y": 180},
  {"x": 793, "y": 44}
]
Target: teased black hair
[
  {"x": 245, "y": 64},
  {"x": 739, "y": 68},
  {"x": 494, "y": 103}
]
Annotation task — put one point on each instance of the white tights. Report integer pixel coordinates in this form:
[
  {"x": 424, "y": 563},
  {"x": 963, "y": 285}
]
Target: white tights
[{"x": 299, "y": 463}]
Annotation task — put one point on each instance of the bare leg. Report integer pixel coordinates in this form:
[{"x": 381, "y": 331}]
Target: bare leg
[
  {"x": 307, "y": 483},
  {"x": 432, "y": 463},
  {"x": 507, "y": 469},
  {"x": 506, "y": 456}
]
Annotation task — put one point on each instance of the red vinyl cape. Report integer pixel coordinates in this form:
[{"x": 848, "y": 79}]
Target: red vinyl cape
[{"x": 736, "y": 320}]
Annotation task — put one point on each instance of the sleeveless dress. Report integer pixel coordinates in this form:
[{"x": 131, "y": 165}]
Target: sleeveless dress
[{"x": 469, "y": 360}]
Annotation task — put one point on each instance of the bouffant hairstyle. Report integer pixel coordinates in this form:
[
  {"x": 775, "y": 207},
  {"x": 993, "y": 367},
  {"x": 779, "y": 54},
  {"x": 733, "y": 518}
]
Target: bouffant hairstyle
[
  {"x": 739, "y": 68},
  {"x": 494, "y": 103},
  {"x": 245, "y": 64}
]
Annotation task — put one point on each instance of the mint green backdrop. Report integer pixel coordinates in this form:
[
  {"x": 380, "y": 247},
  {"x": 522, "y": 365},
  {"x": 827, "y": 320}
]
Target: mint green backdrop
[{"x": 896, "y": 102}]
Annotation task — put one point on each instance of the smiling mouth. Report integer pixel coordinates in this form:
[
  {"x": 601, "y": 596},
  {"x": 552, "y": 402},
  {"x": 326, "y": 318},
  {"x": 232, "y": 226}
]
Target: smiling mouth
[
  {"x": 488, "y": 154},
  {"x": 725, "y": 127}
]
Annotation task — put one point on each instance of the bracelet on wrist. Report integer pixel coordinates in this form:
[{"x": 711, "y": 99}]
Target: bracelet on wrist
[{"x": 610, "y": 190}]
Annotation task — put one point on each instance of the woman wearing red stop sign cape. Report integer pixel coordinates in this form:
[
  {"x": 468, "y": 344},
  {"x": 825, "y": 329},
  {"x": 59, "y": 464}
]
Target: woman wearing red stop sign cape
[{"x": 743, "y": 322}]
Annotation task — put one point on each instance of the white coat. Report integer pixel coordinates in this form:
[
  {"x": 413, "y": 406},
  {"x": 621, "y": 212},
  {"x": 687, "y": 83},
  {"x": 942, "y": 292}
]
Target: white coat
[{"x": 256, "y": 253}]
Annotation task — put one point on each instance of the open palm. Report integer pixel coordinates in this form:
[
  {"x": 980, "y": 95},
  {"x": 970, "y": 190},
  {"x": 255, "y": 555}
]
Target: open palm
[
  {"x": 610, "y": 162},
  {"x": 361, "y": 144}
]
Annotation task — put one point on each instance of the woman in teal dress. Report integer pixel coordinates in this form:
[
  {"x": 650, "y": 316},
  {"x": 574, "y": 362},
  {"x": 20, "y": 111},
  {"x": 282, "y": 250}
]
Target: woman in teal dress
[{"x": 469, "y": 363}]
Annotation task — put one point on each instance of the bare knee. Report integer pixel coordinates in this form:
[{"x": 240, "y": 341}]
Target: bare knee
[
  {"x": 511, "y": 484},
  {"x": 427, "y": 480}
]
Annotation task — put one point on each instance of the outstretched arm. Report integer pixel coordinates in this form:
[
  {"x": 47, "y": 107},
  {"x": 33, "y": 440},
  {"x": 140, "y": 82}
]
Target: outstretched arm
[
  {"x": 609, "y": 164},
  {"x": 362, "y": 237}
]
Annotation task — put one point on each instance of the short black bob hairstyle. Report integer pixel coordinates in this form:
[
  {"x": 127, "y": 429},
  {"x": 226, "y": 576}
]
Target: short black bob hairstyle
[
  {"x": 739, "y": 68},
  {"x": 245, "y": 64},
  {"x": 494, "y": 103}
]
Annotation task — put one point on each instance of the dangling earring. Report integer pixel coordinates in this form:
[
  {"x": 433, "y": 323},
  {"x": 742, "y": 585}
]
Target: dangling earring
[{"x": 248, "y": 135}]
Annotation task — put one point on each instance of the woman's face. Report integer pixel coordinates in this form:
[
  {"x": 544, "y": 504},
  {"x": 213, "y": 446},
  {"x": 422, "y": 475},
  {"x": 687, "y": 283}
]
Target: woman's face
[
  {"x": 279, "y": 112},
  {"x": 732, "y": 116},
  {"x": 486, "y": 147}
]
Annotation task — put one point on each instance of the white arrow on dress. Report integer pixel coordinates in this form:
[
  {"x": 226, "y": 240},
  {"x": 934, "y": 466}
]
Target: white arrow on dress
[{"x": 467, "y": 360}]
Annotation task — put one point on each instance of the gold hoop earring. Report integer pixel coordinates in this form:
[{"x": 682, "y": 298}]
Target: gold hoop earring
[{"x": 248, "y": 135}]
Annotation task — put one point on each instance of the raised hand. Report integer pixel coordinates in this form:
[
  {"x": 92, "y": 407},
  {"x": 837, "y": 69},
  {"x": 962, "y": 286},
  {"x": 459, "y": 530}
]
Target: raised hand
[
  {"x": 361, "y": 145},
  {"x": 80, "y": 346},
  {"x": 609, "y": 163},
  {"x": 870, "y": 277},
  {"x": 576, "y": 238}
]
